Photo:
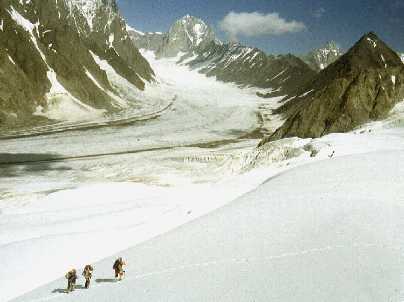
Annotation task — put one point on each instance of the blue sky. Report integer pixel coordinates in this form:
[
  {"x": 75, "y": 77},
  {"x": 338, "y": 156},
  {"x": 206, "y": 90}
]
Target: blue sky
[{"x": 344, "y": 21}]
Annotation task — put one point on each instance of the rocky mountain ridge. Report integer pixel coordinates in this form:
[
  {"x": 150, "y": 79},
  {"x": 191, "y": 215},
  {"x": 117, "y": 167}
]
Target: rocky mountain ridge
[
  {"x": 199, "y": 48},
  {"x": 149, "y": 40},
  {"x": 50, "y": 54},
  {"x": 246, "y": 66},
  {"x": 363, "y": 85}
]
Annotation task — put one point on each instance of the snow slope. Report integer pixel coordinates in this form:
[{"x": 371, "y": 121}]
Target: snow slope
[
  {"x": 105, "y": 189},
  {"x": 128, "y": 184},
  {"x": 316, "y": 233},
  {"x": 91, "y": 222}
]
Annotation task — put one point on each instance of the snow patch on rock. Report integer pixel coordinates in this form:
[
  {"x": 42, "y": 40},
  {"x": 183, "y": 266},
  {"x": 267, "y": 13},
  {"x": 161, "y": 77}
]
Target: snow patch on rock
[{"x": 62, "y": 106}]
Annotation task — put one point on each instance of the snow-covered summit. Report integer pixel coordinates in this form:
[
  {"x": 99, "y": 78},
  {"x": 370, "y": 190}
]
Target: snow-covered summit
[
  {"x": 330, "y": 52},
  {"x": 197, "y": 30},
  {"x": 321, "y": 57},
  {"x": 186, "y": 35}
]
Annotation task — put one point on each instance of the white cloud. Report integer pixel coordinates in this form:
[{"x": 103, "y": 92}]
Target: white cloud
[{"x": 258, "y": 24}]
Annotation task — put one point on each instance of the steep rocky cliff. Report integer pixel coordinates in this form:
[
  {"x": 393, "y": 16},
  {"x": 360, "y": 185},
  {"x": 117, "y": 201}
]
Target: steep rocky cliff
[
  {"x": 186, "y": 35},
  {"x": 363, "y": 85},
  {"x": 150, "y": 40},
  {"x": 246, "y": 66},
  {"x": 48, "y": 59}
]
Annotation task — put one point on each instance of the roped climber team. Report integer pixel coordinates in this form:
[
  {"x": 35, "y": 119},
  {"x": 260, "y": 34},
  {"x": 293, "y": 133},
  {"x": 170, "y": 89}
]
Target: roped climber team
[{"x": 71, "y": 275}]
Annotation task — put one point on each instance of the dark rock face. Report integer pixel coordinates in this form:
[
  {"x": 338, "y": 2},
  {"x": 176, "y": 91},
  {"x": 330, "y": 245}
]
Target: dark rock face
[
  {"x": 149, "y": 41},
  {"x": 40, "y": 39},
  {"x": 363, "y": 85},
  {"x": 248, "y": 66}
]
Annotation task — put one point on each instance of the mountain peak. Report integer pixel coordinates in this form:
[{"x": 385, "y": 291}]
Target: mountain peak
[
  {"x": 187, "y": 17},
  {"x": 196, "y": 29},
  {"x": 318, "y": 59},
  {"x": 370, "y": 51},
  {"x": 331, "y": 43},
  {"x": 371, "y": 38},
  {"x": 371, "y": 35},
  {"x": 361, "y": 86},
  {"x": 186, "y": 35}
]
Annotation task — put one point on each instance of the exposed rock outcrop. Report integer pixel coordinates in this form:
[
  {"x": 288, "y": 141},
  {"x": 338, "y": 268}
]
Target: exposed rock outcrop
[
  {"x": 151, "y": 40},
  {"x": 363, "y": 85},
  {"x": 246, "y": 66},
  {"x": 48, "y": 52}
]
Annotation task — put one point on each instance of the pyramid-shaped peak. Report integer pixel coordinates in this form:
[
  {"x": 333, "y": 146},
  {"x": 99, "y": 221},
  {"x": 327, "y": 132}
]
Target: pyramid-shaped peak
[
  {"x": 371, "y": 35},
  {"x": 186, "y": 35},
  {"x": 361, "y": 86},
  {"x": 371, "y": 40},
  {"x": 193, "y": 29},
  {"x": 371, "y": 52}
]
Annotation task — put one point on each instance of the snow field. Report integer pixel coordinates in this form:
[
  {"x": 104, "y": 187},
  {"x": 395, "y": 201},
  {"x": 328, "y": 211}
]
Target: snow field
[
  {"x": 346, "y": 246},
  {"x": 69, "y": 213}
]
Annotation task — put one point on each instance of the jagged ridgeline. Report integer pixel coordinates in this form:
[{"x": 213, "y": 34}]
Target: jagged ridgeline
[
  {"x": 363, "y": 85},
  {"x": 322, "y": 57},
  {"x": 198, "y": 47},
  {"x": 51, "y": 52}
]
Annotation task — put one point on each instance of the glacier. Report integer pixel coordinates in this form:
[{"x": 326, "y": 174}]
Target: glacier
[{"x": 184, "y": 194}]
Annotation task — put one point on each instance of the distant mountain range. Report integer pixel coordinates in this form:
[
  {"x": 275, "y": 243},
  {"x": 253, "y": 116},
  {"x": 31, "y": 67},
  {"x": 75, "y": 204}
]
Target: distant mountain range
[
  {"x": 196, "y": 45},
  {"x": 324, "y": 91}
]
